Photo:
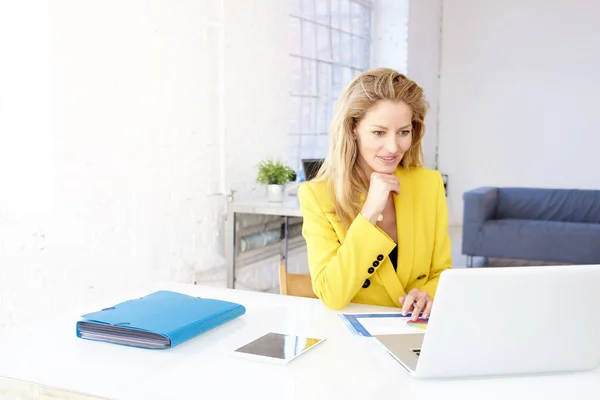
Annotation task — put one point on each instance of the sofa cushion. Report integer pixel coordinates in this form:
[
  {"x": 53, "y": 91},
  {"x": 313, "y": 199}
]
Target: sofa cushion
[
  {"x": 569, "y": 242},
  {"x": 549, "y": 204}
]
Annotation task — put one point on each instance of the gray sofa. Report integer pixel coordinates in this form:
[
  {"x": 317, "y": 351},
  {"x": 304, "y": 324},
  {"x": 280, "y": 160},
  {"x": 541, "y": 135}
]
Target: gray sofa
[{"x": 553, "y": 225}]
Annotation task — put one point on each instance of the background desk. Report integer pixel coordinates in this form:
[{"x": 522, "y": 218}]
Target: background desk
[
  {"x": 46, "y": 357},
  {"x": 288, "y": 208}
]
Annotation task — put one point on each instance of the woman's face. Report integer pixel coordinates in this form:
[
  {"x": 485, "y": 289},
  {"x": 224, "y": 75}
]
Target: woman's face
[{"x": 383, "y": 136}]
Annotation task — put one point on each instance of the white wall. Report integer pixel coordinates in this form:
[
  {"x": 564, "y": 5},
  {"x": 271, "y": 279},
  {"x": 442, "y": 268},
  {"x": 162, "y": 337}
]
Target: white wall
[
  {"x": 113, "y": 147},
  {"x": 423, "y": 64},
  {"x": 390, "y": 30},
  {"x": 519, "y": 95},
  {"x": 26, "y": 169}
]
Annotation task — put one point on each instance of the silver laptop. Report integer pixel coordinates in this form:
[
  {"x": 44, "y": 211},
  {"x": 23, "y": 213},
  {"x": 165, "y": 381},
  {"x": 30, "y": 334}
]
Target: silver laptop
[{"x": 504, "y": 321}]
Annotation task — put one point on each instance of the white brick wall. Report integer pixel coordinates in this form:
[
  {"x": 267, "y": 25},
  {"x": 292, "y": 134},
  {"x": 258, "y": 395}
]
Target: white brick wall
[{"x": 111, "y": 144}]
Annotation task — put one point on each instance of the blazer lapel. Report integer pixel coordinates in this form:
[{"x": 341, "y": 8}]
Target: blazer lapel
[
  {"x": 405, "y": 225},
  {"x": 390, "y": 281}
]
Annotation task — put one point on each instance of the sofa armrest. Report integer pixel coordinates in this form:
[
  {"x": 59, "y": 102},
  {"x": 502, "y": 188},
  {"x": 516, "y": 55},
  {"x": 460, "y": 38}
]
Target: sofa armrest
[{"x": 479, "y": 205}]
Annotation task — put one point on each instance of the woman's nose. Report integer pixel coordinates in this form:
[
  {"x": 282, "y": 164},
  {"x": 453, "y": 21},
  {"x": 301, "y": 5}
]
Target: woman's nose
[{"x": 392, "y": 144}]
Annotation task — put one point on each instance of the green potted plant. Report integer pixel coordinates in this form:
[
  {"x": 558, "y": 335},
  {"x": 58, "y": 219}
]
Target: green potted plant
[{"x": 275, "y": 174}]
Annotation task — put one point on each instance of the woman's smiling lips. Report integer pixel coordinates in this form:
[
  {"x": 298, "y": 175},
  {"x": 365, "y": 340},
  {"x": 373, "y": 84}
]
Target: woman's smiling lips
[{"x": 388, "y": 159}]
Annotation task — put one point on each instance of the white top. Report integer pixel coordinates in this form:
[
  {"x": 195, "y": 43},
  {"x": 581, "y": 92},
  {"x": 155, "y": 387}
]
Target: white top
[
  {"x": 290, "y": 207},
  {"x": 345, "y": 366}
]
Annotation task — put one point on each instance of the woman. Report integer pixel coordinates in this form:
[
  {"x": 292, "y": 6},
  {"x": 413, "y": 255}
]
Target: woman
[{"x": 375, "y": 221}]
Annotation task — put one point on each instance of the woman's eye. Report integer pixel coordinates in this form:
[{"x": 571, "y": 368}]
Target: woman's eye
[
  {"x": 404, "y": 133},
  {"x": 379, "y": 133}
]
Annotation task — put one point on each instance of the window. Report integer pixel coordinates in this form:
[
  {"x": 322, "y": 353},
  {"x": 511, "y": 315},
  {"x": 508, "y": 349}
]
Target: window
[{"x": 331, "y": 44}]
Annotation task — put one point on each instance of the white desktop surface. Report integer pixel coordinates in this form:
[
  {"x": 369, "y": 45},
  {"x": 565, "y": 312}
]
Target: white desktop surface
[{"x": 345, "y": 366}]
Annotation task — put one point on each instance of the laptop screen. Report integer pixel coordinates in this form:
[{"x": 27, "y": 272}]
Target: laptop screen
[{"x": 311, "y": 167}]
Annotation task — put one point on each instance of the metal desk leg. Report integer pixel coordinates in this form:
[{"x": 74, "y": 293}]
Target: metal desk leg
[
  {"x": 230, "y": 248},
  {"x": 283, "y": 254},
  {"x": 233, "y": 279},
  {"x": 285, "y": 236}
]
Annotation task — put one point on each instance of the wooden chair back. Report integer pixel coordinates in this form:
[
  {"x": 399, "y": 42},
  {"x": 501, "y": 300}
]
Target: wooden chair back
[{"x": 295, "y": 284}]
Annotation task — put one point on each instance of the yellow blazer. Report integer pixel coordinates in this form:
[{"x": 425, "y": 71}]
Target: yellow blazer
[{"x": 354, "y": 266}]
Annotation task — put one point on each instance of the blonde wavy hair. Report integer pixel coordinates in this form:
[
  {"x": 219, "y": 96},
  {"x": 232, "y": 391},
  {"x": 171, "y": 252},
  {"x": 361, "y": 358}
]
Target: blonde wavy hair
[{"x": 345, "y": 180}]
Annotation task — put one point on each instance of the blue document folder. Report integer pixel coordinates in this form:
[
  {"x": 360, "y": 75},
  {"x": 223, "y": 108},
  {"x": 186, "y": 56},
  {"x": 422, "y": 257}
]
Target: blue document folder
[{"x": 160, "y": 320}]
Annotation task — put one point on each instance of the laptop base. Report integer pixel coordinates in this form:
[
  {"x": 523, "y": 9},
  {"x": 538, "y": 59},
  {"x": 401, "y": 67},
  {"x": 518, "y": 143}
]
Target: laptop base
[{"x": 405, "y": 348}]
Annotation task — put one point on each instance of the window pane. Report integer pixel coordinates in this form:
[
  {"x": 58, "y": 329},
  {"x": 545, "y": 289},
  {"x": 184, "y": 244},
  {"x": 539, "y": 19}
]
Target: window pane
[
  {"x": 295, "y": 111},
  {"x": 295, "y": 8},
  {"x": 296, "y": 69},
  {"x": 324, "y": 98},
  {"x": 308, "y": 9},
  {"x": 355, "y": 20},
  {"x": 308, "y": 115},
  {"x": 345, "y": 15},
  {"x": 346, "y": 52},
  {"x": 365, "y": 21},
  {"x": 304, "y": 115},
  {"x": 356, "y": 53},
  {"x": 308, "y": 147},
  {"x": 323, "y": 11},
  {"x": 309, "y": 77},
  {"x": 295, "y": 36},
  {"x": 333, "y": 105},
  {"x": 324, "y": 79},
  {"x": 346, "y": 76},
  {"x": 336, "y": 77},
  {"x": 309, "y": 39},
  {"x": 365, "y": 53},
  {"x": 335, "y": 14},
  {"x": 335, "y": 46},
  {"x": 293, "y": 154},
  {"x": 321, "y": 146},
  {"x": 322, "y": 115},
  {"x": 323, "y": 51}
]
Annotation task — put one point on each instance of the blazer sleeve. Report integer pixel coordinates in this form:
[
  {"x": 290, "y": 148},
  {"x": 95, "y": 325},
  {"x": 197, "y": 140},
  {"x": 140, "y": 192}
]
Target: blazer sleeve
[
  {"x": 442, "y": 250},
  {"x": 338, "y": 270}
]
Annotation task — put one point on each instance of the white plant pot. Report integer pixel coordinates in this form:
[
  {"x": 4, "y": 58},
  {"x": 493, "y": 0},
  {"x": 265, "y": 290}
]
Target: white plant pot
[{"x": 275, "y": 193}]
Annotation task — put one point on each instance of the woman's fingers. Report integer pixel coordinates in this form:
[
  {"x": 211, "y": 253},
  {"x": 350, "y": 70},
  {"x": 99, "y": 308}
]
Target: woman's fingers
[
  {"x": 394, "y": 188},
  {"x": 427, "y": 311},
  {"x": 390, "y": 179},
  {"x": 419, "y": 307},
  {"x": 408, "y": 303},
  {"x": 417, "y": 302}
]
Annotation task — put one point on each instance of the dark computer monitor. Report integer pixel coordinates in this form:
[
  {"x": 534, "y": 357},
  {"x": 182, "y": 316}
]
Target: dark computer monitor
[{"x": 311, "y": 166}]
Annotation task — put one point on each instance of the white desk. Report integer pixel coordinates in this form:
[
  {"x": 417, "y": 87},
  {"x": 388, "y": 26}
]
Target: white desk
[
  {"x": 290, "y": 207},
  {"x": 49, "y": 355}
]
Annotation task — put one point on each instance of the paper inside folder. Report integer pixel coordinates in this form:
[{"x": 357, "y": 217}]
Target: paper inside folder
[{"x": 124, "y": 336}]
